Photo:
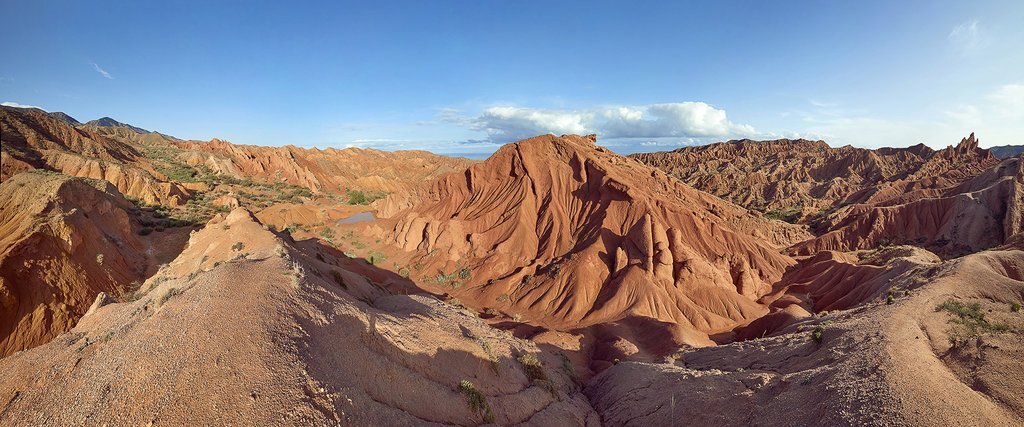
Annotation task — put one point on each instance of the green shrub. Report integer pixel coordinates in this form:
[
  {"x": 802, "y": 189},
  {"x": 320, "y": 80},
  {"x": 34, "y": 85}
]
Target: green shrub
[
  {"x": 535, "y": 372},
  {"x": 1015, "y": 307},
  {"x": 476, "y": 400},
  {"x": 816, "y": 334},
  {"x": 969, "y": 320},
  {"x": 145, "y": 231},
  {"x": 889, "y": 299},
  {"x": 356, "y": 197},
  {"x": 790, "y": 215},
  {"x": 237, "y": 246}
]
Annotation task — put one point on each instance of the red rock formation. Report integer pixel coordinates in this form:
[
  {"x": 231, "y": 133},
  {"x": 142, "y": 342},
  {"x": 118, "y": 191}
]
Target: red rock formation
[
  {"x": 811, "y": 176},
  {"x": 35, "y": 140},
  {"x": 64, "y": 240},
  {"x": 979, "y": 213},
  {"x": 329, "y": 171},
  {"x": 565, "y": 234}
]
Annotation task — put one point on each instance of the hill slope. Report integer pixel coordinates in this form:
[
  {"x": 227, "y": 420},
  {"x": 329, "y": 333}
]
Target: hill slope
[
  {"x": 322, "y": 343},
  {"x": 64, "y": 241},
  {"x": 562, "y": 233}
]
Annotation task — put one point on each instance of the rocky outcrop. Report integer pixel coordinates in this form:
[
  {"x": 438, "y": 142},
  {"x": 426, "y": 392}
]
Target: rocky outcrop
[
  {"x": 35, "y": 140},
  {"x": 977, "y": 214},
  {"x": 564, "y": 234},
  {"x": 328, "y": 171},
  {"x": 65, "y": 240},
  {"x": 810, "y": 176}
]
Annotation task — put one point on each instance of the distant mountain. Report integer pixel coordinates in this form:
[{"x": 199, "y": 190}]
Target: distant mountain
[
  {"x": 1004, "y": 151},
  {"x": 64, "y": 118},
  {"x": 109, "y": 122}
]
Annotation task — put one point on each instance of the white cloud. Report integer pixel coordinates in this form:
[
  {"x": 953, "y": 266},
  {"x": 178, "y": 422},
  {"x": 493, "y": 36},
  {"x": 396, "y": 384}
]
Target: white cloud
[
  {"x": 967, "y": 37},
  {"x": 17, "y": 105},
  {"x": 1007, "y": 101},
  {"x": 102, "y": 72},
  {"x": 669, "y": 120}
]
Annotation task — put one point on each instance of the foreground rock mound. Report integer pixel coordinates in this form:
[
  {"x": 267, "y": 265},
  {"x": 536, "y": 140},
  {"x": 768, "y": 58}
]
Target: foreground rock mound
[
  {"x": 880, "y": 364},
  {"x": 562, "y": 233},
  {"x": 63, "y": 241},
  {"x": 246, "y": 327}
]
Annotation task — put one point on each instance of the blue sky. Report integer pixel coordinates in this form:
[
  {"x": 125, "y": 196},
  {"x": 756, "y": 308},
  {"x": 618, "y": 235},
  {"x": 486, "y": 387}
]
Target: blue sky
[{"x": 467, "y": 76}]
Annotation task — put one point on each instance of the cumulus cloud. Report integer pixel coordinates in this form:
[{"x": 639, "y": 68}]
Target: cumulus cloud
[
  {"x": 100, "y": 70},
  {"x": 17, "y": 105},
  {"x": 669, "y": 120}
]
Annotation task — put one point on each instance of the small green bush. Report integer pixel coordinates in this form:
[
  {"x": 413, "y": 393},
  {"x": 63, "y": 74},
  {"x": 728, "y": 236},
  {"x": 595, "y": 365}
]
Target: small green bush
[
  {"x": 1015, "y": 307},
  {"x": 476, "y": 400},
  {"x": 816, "y": 334},
  {"x": 535, "y": 372},
  {"x": 237, "y": 246},
  {"x": 970, "y": 321}
]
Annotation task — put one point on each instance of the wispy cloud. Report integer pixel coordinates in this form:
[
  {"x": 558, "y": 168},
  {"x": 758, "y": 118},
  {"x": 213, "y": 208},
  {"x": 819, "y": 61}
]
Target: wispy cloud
[
  {"x": 100, "y": 70},
  {"x": 17, "y": 105},
  {"x": 967, "y": 37}
]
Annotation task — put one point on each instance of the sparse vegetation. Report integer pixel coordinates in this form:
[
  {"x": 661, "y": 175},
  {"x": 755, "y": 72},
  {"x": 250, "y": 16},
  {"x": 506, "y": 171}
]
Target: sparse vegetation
[
  {"x": 790, "y": 215},
  {"x": 327, "y": 233},
  {"x": 358, "y": 197},
  {"x": 490, "y": 355},
  {"x": 1015, "y": 307},
  {"x": 145, "y": 231},
  {"x": 171, "y": 293},
  {"x": 238, "y": 246},
  {"x": 535, "y": 372},
  {"x": 476, "y": 400},
  {"x": 890, "y": 299},
  {"x": 969, "y": 321},
  {"x": 816, "y": 334}
]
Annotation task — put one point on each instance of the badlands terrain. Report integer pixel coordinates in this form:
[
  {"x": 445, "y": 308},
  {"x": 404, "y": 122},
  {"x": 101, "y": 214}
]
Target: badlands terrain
[{"x": 148, "y": 280}]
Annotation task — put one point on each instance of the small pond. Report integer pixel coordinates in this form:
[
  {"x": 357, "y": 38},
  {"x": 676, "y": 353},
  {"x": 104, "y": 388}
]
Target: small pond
[{"x": 359, "y": 217}]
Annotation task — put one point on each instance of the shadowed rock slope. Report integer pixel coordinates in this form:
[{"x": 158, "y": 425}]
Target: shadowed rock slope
[
  {"x": 563, "y": 234},
  {"x": 946, "y": 351},
  {"x": 63, "y": 240},
  {"x": 246, "y": 327}
]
